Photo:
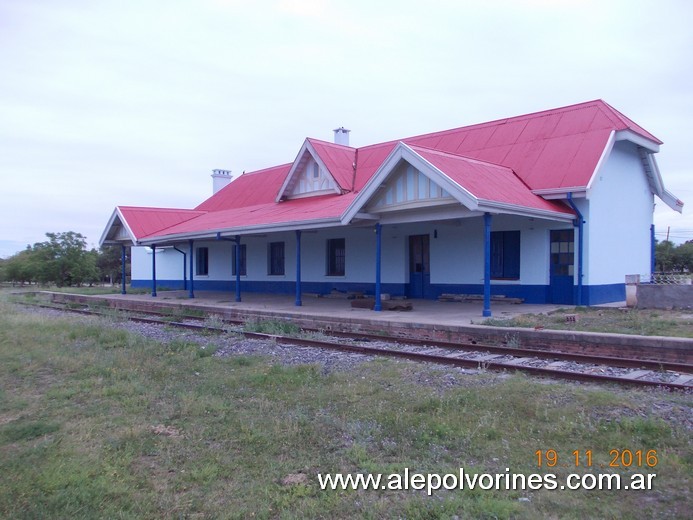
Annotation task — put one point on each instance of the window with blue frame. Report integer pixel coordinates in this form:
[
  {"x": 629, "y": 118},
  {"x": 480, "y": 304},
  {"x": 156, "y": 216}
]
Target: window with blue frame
[
  {"x": 505, "y": 255},
  {"x": 275, "y": 258},
  {"x": 202, "y": 261},
  {"x": 242, "y": 260}
]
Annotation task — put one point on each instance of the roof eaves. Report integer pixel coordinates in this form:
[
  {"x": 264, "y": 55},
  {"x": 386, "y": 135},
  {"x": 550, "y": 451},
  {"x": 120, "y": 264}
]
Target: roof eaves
[
  {"x": 548, "y": 192},
  {"x": 116, "y": 214},
  {"x": 516, "y": 209},
  {"x": 246, "y": 230},
  {"x": 629, "y": 123},
  {"x": 667, "y": 197},
  {"x": 672, "y": 201},
  {"x": 636, "y": 138}
]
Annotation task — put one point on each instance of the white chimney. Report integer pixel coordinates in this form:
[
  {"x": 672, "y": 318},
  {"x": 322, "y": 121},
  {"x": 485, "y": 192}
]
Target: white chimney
[
  {"x": 220, "y": 179},
  {"x": 341, "y": 136}
]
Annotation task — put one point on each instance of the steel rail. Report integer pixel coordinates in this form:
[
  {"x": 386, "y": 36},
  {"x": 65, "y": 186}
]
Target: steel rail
[
  {"x": 623, "y": 362},
  {"x": 426, "y": 357}
]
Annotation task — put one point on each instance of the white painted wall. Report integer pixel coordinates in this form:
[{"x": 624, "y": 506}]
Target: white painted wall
[
  {"x": 457, "y": 255},
  {"x": 219, "y": 260},
  {"x": 360, "y": 256},
  {"x": 169, "y": 264},
  {"x": 619, "y": 215}
]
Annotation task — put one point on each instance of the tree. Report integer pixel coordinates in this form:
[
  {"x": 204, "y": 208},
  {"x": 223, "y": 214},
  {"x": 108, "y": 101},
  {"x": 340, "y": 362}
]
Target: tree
[
  {"x": 21, "y": 267},
  {"x": 683, "y": 257},
  {"x": 110, "y": 263},
  {"x": 672, "y": 258},
  {"x": 63, "y": 260},
  {"x": 664, "y": 252}
]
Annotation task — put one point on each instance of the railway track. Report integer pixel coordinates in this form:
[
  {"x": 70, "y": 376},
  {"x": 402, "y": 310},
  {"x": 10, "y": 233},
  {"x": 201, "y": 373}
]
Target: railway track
[{"x": 561, "y": 365}]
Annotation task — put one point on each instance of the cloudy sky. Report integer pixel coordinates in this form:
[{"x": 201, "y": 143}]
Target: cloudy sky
[{"x": 135, "y": 102}]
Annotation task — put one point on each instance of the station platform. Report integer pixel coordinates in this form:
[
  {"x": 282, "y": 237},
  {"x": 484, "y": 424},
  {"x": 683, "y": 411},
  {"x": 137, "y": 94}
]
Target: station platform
[
  {"x": 428, "y": 320},
  {"x": 424, "y": 312}
]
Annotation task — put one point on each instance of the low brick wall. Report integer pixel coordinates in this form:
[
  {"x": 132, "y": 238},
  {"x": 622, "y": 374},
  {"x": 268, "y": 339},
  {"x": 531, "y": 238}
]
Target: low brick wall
[{"x": 651, "y": 296}]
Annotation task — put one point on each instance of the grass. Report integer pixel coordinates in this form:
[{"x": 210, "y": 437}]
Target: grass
[
  {"x": 96, "y": 422},
  {"x": 601, "y": 319},
  {"x": 278, "y": 327}
]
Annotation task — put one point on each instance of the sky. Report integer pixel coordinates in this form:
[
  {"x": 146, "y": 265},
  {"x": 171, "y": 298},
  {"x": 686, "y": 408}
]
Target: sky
[{"x": 121, "y": 102}]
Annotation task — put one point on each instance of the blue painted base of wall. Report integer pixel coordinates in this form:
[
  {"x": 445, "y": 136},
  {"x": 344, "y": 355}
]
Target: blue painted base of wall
[
  {"x": 591, "y": 294},
  {"x": 596, "y": 294}
]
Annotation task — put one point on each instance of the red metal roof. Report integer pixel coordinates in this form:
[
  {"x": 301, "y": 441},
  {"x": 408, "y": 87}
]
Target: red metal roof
[
  {"x": 250, "y": 189},
  {"x": 144, "y": 221},
  {"x": 487, "y": 181},
  {"x": 557, "y": 148},
  {"x": 339, "y": 160},
  {"x": 501, "y": 161},
  {"x": 289, "y": 211}
]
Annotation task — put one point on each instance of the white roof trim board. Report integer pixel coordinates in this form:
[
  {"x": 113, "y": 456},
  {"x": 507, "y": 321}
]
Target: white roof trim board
[
  {"x": 602, "y": 159},
  {"x": 116, "y": 214}
]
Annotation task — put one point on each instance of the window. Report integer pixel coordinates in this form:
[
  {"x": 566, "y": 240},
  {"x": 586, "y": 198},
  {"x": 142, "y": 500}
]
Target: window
[
  {"x": 505, "y": 255},
  {"x": 562, "y": 252},
  {"x": 336, "y": 257},
  {"x": 202, "y": 261},
  {"x": 275, "y": 259},
  {"x": 242, "y": 259}
]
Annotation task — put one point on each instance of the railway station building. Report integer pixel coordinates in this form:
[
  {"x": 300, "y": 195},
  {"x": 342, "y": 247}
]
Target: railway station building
[{"x": 550, "y": 207}]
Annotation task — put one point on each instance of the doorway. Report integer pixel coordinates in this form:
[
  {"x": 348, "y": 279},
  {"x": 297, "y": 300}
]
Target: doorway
[
  {"x": 419, "y": 266},
  {"x": 561, "y": 288}
]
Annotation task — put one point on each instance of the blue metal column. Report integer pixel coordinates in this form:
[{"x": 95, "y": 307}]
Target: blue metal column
[
  {"x": 378, "y": 235},
  {"x": 122, "y": 265},
  {"x": 653, "y": 250},
  {"x": 191, "y": 294},
  {"x": 487, "y": 265},
  {"x": 238, "y": 268},
  {"x": 298, "y": 268},
  {"x": 153, "y": 269},
  {"x": 579, "y": 224}
]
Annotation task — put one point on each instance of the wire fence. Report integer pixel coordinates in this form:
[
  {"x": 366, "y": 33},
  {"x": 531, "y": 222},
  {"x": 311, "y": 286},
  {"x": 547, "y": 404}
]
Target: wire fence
[{"x": 664, "y": 278}]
